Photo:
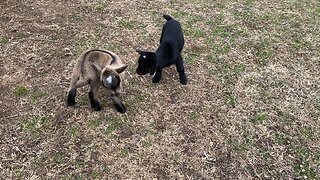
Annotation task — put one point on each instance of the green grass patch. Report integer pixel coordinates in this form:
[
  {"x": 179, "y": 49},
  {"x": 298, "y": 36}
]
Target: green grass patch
[
  {"x": 73, "y": 131},
  {"x": 99, "y": 7},
  {"x": 114, "y": 124},
  {"x": 21, "y": 91},
  {"x": 305, "y": 170},
  {"x": 264, "y": 153},
  {"x": 99, "y": 31},
  {"x": 125, "y": 24},
  {"x": 246, "y": 143},
  {"x": 195, "y": 33},
  {"x": 194, "y": 116},
  {"x": 229, "y": 71},
  {"x": 286, "y": 118},
  {"x": 231, "y": 100},
  {"x": 58, "y": 158},
  {"x": 299, "y": 44},
  {"x": 95, "y": 123},
  {"x": 34, "y": 124},
  {"x": 281, "y": 139},
  {"x": 146, "y": 143},
  {"x": 75, "y": 18},
  {"x": 140, "y": 98},
  {"x": 191, "y": 59},
  {"x": 179, "y": 14},
  {"x": 220, "y": 49},
  {"x": 124, "y": 152},
  {"x": 227, "y": 31},
  {"x": 259, "y": 118},
  {"x": 214, "y": 59},
  {"x": 55, "y": 37},
  {"x": 3, "y": 40}
]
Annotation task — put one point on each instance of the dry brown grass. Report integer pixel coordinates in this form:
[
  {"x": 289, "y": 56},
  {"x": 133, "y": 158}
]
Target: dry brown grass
[{"x": 250, "y": 111}]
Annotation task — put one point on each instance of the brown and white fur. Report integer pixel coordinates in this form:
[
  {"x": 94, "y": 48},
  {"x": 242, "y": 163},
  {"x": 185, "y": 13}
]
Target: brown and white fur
[{"x": 98, "y": 67}]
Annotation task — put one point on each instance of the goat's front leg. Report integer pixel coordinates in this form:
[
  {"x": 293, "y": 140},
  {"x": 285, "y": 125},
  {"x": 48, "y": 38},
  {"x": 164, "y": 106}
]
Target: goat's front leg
[
  {"x": 92, "y": 96},
  {"x": 180, "y": 69},
  {"x": 117, "y": 103},
  {"x": 157, "y": 76}
]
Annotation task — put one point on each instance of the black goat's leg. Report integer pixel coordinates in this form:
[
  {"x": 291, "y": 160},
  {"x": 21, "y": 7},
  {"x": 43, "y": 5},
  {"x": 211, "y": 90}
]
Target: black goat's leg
[
  {"x": 180, "y": 69},
  {"x": 157, "y": 76}
]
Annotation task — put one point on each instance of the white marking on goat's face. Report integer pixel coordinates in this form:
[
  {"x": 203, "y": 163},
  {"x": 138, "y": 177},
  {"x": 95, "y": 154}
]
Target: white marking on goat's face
[
  {"x": 144, "y": 56},
  {"x": 109, "y": 79}
]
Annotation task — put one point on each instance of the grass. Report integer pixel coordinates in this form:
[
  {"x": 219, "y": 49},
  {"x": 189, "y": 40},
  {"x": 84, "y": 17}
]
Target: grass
[
  {"x": 34, "y": 124},
  {"x": 259, "y": 118},
  {"x": 251, "y": 103},
  {"x": 3, "y": 40},
  {"x": 20, "y": 91}
]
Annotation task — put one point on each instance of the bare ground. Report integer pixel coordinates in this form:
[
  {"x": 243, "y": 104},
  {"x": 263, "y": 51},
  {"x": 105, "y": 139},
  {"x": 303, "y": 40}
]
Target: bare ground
[{"x": 250, "y": 111}]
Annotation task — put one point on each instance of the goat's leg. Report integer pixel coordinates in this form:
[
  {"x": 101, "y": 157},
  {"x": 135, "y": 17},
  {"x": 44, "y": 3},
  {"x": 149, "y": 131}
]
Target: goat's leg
[
  {"x": 118, "y": 104},
  {"x": 157, "y": 76},
  {"x": 72, "y": 90},
  {"x": 180, "y": 69},
  {"x": 92, "y": 96}
]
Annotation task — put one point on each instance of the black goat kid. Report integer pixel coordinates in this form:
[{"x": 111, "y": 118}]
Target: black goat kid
[{"x": 168, "y": 53}]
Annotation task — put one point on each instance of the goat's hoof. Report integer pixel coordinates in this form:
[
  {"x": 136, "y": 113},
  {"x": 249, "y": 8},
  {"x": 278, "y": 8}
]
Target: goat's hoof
[
  {"x": 96, "y": 108},
  {"x": 71, "y": 103},
  {"x": 183, "y": 80},
  {"x": 121, "y": 109},
  {"x": 156, "y": 79}
]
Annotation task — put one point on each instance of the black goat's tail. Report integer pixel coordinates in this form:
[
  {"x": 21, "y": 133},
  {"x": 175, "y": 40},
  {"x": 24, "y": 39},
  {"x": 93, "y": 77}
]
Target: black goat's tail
[{"x": 167, "y": 17}]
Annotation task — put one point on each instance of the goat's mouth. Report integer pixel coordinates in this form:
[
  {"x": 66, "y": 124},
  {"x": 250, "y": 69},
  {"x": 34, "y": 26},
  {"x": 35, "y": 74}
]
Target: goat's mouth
[{"x": 142, "y": 72}]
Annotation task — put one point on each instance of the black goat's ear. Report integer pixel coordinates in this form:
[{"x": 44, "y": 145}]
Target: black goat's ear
[
  {"x": 121, "y": 69},
  {"x": 138, "y": 51}
]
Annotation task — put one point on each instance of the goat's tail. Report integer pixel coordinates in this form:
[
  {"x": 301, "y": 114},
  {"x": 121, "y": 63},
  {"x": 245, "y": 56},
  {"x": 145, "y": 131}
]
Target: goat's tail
[{"x": 167, "y": 17}]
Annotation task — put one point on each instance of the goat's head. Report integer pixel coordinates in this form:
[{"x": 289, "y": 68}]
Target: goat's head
[
  {"x": 146, "y": 63},
  {"x": 110, "y": 77}
]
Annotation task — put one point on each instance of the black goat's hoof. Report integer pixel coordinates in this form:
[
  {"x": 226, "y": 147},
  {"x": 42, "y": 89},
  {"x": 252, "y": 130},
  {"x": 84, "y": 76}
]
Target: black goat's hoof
[
  {"x": 71, "y": 103},
  {"x": 156, "y": 79},
  {"x": 183, "y": 80}
]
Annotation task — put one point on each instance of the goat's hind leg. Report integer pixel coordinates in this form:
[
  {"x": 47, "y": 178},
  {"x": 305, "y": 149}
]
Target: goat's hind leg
[
  {"x": 75, "y": 83},
  {"x": 180, "y": 69}
]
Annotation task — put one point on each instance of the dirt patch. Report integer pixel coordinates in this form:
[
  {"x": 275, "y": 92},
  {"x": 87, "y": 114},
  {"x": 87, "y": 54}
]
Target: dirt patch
[{"x": 251, "y": 108}]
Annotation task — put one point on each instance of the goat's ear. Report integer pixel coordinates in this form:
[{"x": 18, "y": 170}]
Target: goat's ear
[
  {"x": 97, "y": 68},
  {"x": 138, "y": 51},
  {"x": 121, "y": 69}
]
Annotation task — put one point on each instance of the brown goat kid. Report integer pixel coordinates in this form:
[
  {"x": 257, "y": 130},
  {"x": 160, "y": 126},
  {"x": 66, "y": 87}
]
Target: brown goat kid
[{"x": 98, "y": 67}]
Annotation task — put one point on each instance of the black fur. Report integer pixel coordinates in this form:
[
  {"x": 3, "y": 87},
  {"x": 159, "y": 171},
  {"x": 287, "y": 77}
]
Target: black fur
[
  {"x": 94, "y": 102},
  {"x": 118, "y": 104},
  {"x": 168, "y": 53},
  {"x": 71, "y": 97}
]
